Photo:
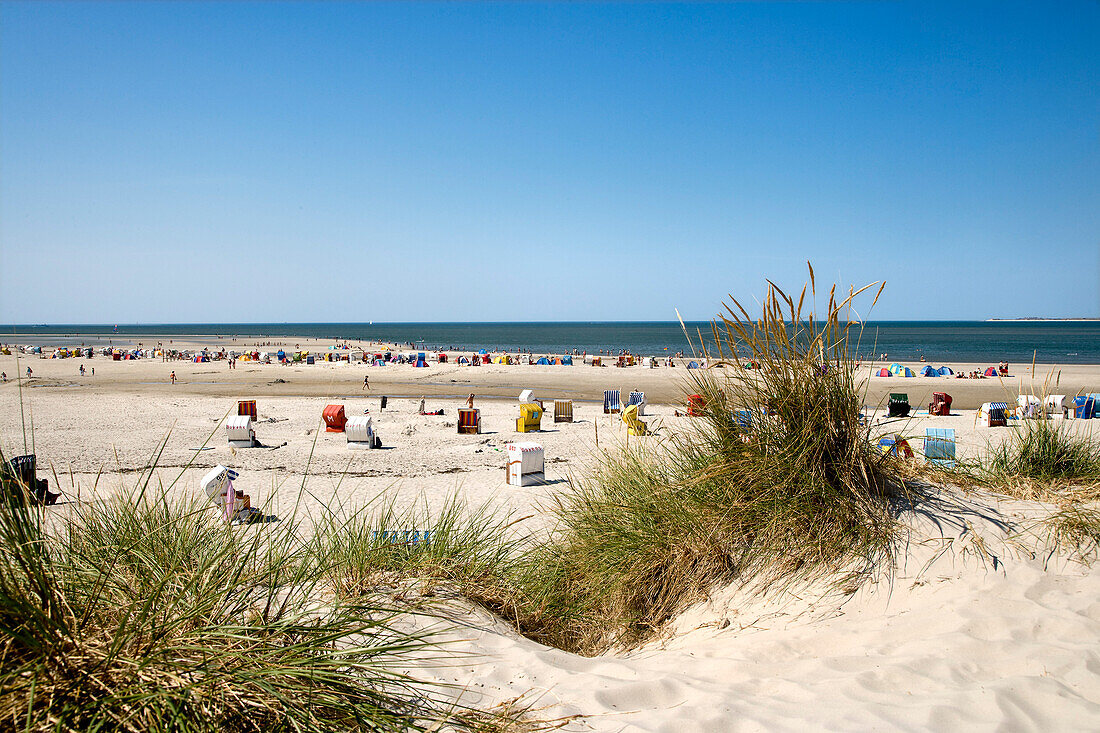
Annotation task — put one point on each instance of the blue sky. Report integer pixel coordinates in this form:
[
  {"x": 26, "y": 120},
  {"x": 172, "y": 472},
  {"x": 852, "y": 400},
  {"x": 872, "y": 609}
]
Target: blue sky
[{"x": 201, "y": 162}]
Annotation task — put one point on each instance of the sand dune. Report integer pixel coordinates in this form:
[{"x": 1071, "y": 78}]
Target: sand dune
[{"x": 980, "y": 627}]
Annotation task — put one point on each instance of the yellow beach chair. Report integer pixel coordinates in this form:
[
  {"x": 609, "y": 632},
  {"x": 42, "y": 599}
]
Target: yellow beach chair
[{"x": 634, "y": 426}]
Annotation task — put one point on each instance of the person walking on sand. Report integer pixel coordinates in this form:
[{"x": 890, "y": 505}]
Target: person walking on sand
[
  {"x": 29, "y": 372},
  {"x": 366, "y": 382},
  {"x": 172, "y": 376}
]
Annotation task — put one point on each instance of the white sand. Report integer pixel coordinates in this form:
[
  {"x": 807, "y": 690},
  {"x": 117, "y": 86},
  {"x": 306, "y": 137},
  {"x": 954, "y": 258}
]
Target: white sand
[{"x": 979, "y": 629}]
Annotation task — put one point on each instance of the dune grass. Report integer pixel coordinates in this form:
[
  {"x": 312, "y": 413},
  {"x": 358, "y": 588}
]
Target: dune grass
[
  {"x": 468, "y": 548},
  {"x": 1047, "y": 451},
  {"x": 1076, "y": 527},
  {"x": 148, "y": 615},
  {"x": 661, "y": 523}
]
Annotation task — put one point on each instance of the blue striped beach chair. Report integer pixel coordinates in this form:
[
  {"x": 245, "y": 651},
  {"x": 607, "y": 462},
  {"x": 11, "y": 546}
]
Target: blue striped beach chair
[
  {"x": 998, "y": 414},
  {"x": 742, "y": 418},
  {"x": 637, "y": 398},
  {"x": 611, "y": 401},
  {"x": 939, "y": 446}
]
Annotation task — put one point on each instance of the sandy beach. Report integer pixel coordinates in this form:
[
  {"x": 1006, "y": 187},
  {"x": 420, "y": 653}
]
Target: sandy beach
[{"x": 978, "y": 628}]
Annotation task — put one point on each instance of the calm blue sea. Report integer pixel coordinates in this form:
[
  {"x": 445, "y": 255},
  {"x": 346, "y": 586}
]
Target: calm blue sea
[{"x": 940, "y": 342}]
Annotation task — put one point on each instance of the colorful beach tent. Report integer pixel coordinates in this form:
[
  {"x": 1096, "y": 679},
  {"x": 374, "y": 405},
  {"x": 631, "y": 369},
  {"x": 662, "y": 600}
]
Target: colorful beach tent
[
  {"x": 945, "y": 371},
  {"x": 884, "y": 372},
  {"x": 991, "y": 372},
  {"x": 544, "y": 361},
  {"x": 567, "y": 361},
  {"x": 895, "y": 445},
  {"x": 693, "y": 365},
  {"x": 927, "y": 371},
  {"x": 896, "y": 368}
]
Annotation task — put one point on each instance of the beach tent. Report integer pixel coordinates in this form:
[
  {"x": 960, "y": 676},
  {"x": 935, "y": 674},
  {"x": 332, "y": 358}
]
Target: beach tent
[
  {"x": 693, "y": 365},
  {"x": 543, "y": 361},
  {"x": 884, "y": 372},
  {"x": 927, "y": 371},
  {"x": 906, "y": 372},
  {"x": 463, "y": 361},
  {"x": 945, "y": 371},
  {"x": 567, "y": 361},
  {"x": 991, "y": 372},
  {"x": 896, "y": 368},
  {"x": 895, "y": 445}
]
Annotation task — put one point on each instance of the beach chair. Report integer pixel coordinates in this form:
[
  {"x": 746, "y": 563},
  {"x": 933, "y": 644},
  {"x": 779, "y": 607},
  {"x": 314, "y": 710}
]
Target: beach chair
[
  {"x": 563, "y": 410},
  {"x": 696, "y": 405},
  {"x": 238, "y": 430},
  {"x": 530, "y": 418},
  {"x": 611, "y": 401},
  {"x": 634, "y": 426},
  {"x": 335, "y": 418},
  {"x": 895, "y": 445},
  {"x": 993, "y": 414},
  {"x": 359, "y": 430},
  {"x": 233, "y": 505},
  {"x": 19, "y": 481},
  {"x": 1083, "y": 408},
  {"x": 899, "y": 405},
  {"x": 1028, "y": 407},
  {"x": 1055, "y": 404},
  {"x": 247, "y": 407},
  {"x": 742, "y": 418},
  {"x": 469, "y": 421},
  {"x": 939, "y": 446},
  {"x": 526, "y": 464},
  {"x": 940, "y": 405},
  {"x": 637, "y": 398}
]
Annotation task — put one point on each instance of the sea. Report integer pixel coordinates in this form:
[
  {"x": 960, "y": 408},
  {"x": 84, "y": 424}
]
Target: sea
[{"x": 939, "y": 342}]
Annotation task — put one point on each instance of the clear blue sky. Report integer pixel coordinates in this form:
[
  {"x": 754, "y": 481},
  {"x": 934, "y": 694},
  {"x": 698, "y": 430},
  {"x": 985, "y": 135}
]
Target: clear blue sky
[{"x": 165, "y": 162}]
